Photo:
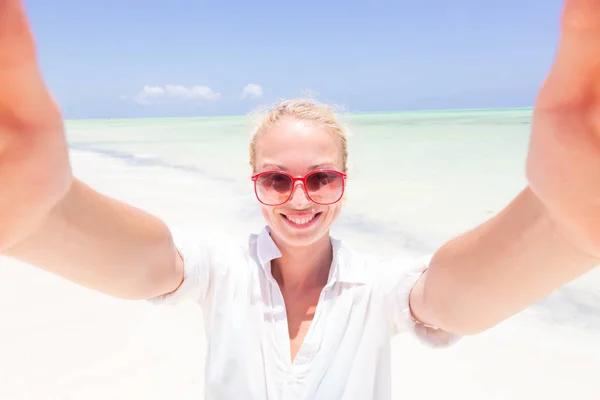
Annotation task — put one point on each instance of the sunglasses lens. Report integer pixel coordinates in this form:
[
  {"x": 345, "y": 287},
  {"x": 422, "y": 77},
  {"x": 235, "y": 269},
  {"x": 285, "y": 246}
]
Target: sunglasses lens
[
  {"x": 325, "y": 187},
  {"x": 273, "y": 187}
]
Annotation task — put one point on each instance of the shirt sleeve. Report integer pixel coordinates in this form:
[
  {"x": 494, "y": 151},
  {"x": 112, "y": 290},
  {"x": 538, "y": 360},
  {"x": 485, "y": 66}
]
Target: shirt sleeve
[
  {"x": 401, "y": 277},
  {"x": 196, "y": 252}
]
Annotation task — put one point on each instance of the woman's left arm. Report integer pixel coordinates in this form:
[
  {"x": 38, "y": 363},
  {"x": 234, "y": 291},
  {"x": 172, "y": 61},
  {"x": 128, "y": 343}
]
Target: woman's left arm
[{"x": 550, "y": 233}]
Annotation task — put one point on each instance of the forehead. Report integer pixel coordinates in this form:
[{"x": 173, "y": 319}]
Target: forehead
[{"x": 297, "y": 146}]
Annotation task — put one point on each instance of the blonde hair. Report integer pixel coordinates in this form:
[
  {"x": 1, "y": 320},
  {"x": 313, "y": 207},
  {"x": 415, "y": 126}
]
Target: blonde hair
[{"x": 303, "y": 110}]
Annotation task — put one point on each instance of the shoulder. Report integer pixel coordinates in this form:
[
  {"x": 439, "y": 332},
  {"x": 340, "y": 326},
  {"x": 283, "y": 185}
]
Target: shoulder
[
  {"x": 380, "y": 269},
  {"x": 390, "y": 280},
  {"x": 210, "y": 259},
  {"x": 209, "y": 246}
]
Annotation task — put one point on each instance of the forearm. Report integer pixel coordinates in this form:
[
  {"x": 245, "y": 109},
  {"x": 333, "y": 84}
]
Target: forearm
[
  {"x": 105, "y": 245},
  {"x": 496, "y": 270}
]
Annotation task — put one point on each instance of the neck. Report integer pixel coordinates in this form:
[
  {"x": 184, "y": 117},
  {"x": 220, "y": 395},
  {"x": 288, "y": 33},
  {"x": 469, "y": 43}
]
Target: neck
[{"x": 305, "y": 267}]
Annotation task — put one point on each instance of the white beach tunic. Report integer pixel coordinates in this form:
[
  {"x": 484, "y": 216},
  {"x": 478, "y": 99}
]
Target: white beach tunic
[{"x": 346, "y": 351}]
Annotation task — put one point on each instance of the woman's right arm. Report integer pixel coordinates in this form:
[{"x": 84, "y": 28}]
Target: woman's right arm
[
  {"x": 52, "y": 220},
  {"x": 103, "y": 244}
]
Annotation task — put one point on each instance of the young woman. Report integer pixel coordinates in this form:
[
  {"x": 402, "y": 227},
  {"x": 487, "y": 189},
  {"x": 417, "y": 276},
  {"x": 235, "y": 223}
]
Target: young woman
[{"x": 292, "y": 312}]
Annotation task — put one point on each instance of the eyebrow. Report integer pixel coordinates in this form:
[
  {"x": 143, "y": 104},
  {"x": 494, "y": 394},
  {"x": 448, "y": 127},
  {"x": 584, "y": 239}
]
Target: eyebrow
[{"x": 314, "y": 167}]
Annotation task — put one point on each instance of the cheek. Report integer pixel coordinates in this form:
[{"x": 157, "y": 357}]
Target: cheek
[
  {"x": 334, "y": 211},
  {"x": 266, "y": 211}
]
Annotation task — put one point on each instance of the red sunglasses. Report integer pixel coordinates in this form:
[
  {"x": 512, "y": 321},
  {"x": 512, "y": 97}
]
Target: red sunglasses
[{"x": 324, "y": 187}]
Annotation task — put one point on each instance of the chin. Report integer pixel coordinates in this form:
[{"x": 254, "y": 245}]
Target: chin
[{"x": 300, "y": 240}]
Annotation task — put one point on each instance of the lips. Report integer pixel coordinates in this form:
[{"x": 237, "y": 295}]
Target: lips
[{"x": 301, "y": 220}]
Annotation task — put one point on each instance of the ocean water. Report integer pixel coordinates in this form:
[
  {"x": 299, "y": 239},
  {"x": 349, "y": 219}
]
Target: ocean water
[{"x": 416, "y": 179}]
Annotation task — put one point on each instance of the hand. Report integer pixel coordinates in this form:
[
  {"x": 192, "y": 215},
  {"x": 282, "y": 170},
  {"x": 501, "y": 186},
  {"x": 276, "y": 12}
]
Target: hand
[
  {"x": 24, "y": 98},
  {"x": 34, "y": 164},
  {"x": 563, "y": 165}
]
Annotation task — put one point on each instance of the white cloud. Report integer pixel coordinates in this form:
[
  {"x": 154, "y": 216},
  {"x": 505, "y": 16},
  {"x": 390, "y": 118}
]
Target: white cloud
[
  {"x": 252, "y": 91},
  {"x": 150, "y": 93}
]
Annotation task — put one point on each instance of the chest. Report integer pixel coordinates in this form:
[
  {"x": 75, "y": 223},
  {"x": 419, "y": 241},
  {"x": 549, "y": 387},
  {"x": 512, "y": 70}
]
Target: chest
[
  {"x": 272, "y": 344},
  {"x": 300, "y": 313}
]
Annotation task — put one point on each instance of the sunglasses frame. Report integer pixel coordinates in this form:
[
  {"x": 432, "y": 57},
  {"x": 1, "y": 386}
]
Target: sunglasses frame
[{"x": 299, "y": 179}]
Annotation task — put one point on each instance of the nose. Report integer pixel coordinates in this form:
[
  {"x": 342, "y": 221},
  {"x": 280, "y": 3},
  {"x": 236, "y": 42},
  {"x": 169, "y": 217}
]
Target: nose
[{"x": 299, "y": 197}]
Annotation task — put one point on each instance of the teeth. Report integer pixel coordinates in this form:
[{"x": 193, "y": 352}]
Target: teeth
[{"x": 301, "y": 221}]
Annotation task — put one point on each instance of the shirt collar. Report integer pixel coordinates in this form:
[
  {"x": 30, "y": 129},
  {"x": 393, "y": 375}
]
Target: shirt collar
[{"x": 345, "y": 267}]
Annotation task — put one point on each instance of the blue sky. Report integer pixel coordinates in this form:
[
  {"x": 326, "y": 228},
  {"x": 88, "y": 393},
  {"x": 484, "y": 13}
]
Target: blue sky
[{"x": 98, "y": 56}]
